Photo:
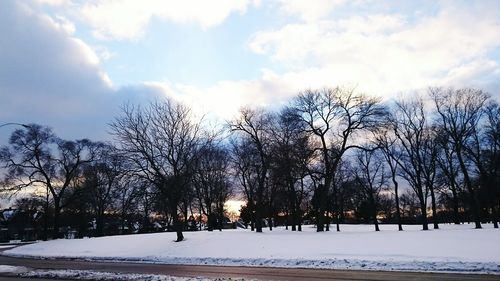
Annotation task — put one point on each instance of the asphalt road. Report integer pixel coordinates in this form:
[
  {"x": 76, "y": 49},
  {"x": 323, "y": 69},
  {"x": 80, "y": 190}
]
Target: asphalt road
[{"x": 261, "y": 273}]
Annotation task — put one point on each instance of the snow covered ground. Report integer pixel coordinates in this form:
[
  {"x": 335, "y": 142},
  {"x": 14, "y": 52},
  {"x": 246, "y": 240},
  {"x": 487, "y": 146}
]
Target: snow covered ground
[
  {"x": 111, "y": 276},
  {"x": 451, "y": 248},
  {"x": 25, "y": 272}
]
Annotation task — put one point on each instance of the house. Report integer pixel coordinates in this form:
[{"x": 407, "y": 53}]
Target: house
[{"x": 16, "y": 224}]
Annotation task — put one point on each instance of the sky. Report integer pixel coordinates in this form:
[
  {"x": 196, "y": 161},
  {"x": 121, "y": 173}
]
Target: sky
[{"x": 72, "y": 64}]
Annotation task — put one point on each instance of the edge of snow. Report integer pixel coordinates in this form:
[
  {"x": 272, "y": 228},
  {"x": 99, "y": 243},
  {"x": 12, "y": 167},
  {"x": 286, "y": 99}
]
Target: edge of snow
[{"x": 335, "y": 263}]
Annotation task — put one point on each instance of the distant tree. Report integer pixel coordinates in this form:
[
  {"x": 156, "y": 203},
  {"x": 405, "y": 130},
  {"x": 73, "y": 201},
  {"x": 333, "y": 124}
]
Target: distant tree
[
  {"x": 37, "y": 157},
  {"x": 246, "y": 164},
  {"x": 410, "y": 206},
  {"x": 33, "y": 206},
  {"x": 102, "y": 180},
  {"x": 211, "y": 182},
  {"x": 372, "y": 177}
]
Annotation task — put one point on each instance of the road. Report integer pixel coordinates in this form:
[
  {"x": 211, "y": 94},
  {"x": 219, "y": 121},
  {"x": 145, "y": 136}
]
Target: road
[{"x": 261, "y": 273}]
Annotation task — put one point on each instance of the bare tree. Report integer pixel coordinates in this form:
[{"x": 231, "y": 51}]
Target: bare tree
[
  {"x": 102, "y": 180},
  {"x": 372, "y": 177},
  {"x": 211, "y": 181},
  {"x": 335, "y": 117},
  {"x": 448, "y": 171},
  {"x": 429, "y": 158},
  {"x": 492, "y": 140},
  {"x": 291, "y": 156},
  {"x": 410, "y": 127},
  {"x": 460, "y": 111},
  {"x": 254, "y": 124},
  {"x": 36, "y": 157},
  {"x": 245, "y": 166},
  {"x": 388, "y": 145},
  {"x": 162, "y": 141},
  {"x": 483, "y": 150}
]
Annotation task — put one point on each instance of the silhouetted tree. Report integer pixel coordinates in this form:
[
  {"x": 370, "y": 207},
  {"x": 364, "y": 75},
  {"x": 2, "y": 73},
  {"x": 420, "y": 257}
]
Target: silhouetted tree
[
  {"x": 410, "y": 127},
  {"x": 291, "y": 155},
  {"x": 37, "y": 157},
  {"x": 460, "y": 111},
  {"x": 372, "y": 177},
  {"x": 335, "y": 117},
  {"x": 387, "y": 142},
  {"x": 254, "y": 125},
  {"x": 102, "y": 181},
  {"x": 211, "y": 181},
  {"x": 162, "y": 141}
]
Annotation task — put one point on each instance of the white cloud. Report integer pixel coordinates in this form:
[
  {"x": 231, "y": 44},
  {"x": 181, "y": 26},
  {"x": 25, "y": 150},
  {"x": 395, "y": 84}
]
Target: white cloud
[
  {"x": 128, "y": 19},
  {"x": 47, "y": 75},
  {"x": 309, "y": 10},
  {"x": 224, "y": 98},
  {"x": 53, "y": 2},
  {"x": 387, "y": 53}
]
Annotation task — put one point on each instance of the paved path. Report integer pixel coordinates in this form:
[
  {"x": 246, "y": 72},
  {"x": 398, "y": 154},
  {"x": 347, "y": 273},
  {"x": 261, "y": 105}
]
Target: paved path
[{"x": 261, "y": 273}]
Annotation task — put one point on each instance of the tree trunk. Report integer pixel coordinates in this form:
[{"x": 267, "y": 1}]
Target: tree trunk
[
  {"x": 57, "y": 212},
  {"x": 258, "y": 217},
  {"x": 423, "y": 210},
  {"x": 456, "y": 219},
  {"x": 177, "y": 227},
  {"x": 327, "y": 220},
  {"x": 472, "y": 195},
  {"x": 270, "y": 222},
  {"x": 320, "y": 227},
  {"x": 434, "y": 213},
  {"x": 174, "y": 202},
  {"x": 99, "y": 224},
  {"x": 287, "y": 220},
  {"x": 299, "y": 222},
  {"x": 323, "y": 199},
  {"x": 398, "y": 211},
  {"x": 292, "y": 199},
  {"x": 374, "y": 210},
  {"x": 494, "y": 216}
]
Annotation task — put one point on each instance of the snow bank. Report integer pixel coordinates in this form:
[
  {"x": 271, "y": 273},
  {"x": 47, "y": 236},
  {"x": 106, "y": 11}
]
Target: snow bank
[
  {"x": 457, "y": 248},
  {"x": 12, "y": 269},
  {"x": 111, "y": 276}
]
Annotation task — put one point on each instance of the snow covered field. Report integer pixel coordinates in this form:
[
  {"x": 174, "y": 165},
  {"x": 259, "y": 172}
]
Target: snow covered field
[
  {"x": 25, "y": 272},
  {"x": 451, "y": 248}
]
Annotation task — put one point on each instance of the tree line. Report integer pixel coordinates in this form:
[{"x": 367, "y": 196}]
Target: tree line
[{"x": 328, "y": 156}]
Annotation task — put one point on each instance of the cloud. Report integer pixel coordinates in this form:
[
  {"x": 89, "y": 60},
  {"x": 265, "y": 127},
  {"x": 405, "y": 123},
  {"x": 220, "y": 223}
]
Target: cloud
[
  {"x": 47, "y": 76},
  {"x": 128, "y": 19},
  {"x": 52, "y": 2},
  {"x": 389, "y": 53},
  {"x": 309, "y": 10},
  {"x": 223, "y": 99},
  {"x": 50, "y": 77}
]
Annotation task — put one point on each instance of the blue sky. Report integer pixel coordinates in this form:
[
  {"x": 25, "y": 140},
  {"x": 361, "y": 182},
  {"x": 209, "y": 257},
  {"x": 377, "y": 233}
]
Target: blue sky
[{"x": 71, "y": 64}]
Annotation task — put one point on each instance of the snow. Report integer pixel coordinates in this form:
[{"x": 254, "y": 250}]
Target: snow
[
  {"x": 457, "y": 248},
  {"x": 111, "y": 276},
  {"x": 12, "y": 269}
]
